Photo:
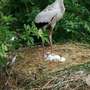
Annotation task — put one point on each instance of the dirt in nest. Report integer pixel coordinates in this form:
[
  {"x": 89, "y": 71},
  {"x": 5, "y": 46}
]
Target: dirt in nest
[
  {"x": 30, "y": 65},
  {"x": 30, "y": 59}
]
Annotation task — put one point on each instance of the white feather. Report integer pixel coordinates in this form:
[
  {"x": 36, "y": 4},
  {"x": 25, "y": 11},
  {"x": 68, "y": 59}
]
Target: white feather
[
  {"x": 13, "y": 59},
  {"x": 51, "y": 11},
  {"x": 45, "y": 16}
]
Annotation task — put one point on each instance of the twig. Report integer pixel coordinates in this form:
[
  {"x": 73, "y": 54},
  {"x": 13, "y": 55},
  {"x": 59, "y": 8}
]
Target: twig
[{"x": 48, "y": 83}]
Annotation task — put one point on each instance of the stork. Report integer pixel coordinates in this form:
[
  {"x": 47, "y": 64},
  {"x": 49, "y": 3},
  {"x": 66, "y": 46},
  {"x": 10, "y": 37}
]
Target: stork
[{"x": 48, "y": 18}]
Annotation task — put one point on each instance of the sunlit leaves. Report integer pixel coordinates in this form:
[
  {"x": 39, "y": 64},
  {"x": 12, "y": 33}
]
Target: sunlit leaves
[{"x": 30, "y": 32}]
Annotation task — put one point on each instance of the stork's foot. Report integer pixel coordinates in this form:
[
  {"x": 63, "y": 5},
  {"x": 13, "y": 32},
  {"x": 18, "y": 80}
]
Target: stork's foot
[{"x": 53, "y": 57}]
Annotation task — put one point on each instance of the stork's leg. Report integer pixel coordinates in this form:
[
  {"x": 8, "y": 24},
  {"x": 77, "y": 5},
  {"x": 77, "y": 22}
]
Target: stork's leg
[
  {"x": 43, "y": 48},
  {"x": 50, "y": 39},
  {"x": 43, "y": 44}
]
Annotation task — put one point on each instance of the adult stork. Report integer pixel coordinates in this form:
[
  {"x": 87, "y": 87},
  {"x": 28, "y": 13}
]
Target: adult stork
[{"x": 48, "y": 18}]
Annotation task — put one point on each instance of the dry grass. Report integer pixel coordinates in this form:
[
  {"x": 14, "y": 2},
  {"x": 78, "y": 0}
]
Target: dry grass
[
  {"x": 34, "y": 73},
  {"x": 31, "y": 59}
]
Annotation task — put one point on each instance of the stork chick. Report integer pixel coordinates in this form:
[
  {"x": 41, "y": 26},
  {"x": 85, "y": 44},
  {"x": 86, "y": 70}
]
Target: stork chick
[
  {"x": 53, "y": 57},
  {"x": 48, "y": 18}
]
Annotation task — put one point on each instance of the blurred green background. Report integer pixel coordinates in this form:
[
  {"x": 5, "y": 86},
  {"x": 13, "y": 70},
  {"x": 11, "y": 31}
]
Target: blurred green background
[
  {"x": 17, "y": 28},
  {"x": 75, "y": 25}
]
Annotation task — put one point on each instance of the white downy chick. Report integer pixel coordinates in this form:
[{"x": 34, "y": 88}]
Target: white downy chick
[
  {"x": 62, "y": 59},
  {"x": 49, "y": 56},
  {"x": 53, "y": 57}
]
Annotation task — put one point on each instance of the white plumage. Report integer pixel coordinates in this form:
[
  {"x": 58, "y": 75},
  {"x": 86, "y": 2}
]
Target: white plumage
[
  {"x": 49, "y": 17},
  {"x": 56, "y": 10},
  {"x": 53, "y": 57}
]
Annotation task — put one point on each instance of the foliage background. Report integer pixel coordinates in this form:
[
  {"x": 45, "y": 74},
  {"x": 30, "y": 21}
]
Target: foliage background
[
  {"x": 75, "y": 25},
  {"x": 17, "y": 17},
  {"x": 17, "y": 29}
]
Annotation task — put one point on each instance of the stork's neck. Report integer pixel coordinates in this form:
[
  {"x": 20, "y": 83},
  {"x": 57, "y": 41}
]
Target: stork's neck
[
  {"x": 59, "y": 1},
  {"x": 61, "y": 5}
]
